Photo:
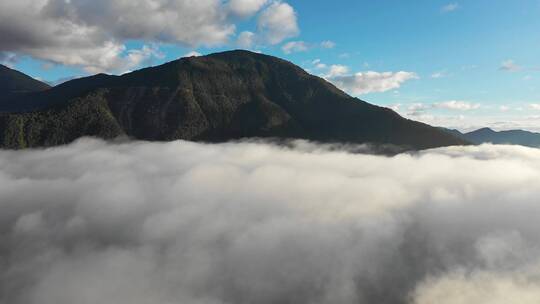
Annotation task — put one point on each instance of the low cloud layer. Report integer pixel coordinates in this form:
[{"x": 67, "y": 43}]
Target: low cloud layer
[{"x": 252, "y": 222}]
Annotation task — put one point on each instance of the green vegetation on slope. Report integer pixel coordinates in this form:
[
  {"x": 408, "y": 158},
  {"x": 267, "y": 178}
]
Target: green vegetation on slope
[{"x": 89, "y": 116}]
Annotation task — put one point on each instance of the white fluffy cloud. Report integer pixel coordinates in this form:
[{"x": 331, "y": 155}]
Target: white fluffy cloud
[
  {"x": 246, "y": 8},
  {"x": 438, "y": 75},
  {"x": 423, "y": 112},
  {"x": 328, "y": 44},
  {"x": 92, "y": 34},
  {"x": 362, "y": 82},
  {"x": 371, "y": 82},
  {"x": 535, "y": 106},
  {"x": 302, "y": 46},
  {"x": 246, "y": 39},
  {"x": 450, "y": 7},
  {"x": 417, "y": 108},
  {"x": 184, "y": 222},
  {"x": 457, "y": 105},
  {"x": 510, "y": 66},
  {"x": 294, "y": 47},
  {"x": 336, "y": 70},
  {"x": 317, "y": 64},
  {"x": 278, "y": 22}
]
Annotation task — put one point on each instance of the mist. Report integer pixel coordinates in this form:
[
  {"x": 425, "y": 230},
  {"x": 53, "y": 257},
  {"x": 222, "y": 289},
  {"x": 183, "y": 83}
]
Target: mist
[{"x": 253, "y": 222}]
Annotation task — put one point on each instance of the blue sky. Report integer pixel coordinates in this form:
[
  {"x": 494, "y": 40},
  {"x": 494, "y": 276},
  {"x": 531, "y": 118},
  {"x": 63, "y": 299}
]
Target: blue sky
[{"x": 463, "y": 64}]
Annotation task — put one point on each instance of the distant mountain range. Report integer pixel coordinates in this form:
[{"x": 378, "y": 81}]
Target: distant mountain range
[
  {"x": 512, "y": 137},
  {"x": 219, "y": 97}
]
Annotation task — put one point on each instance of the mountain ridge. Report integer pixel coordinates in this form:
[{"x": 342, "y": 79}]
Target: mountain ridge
[
  {"x": 14, "y": 84},
  {"x": 488, "y": 135},
  {"x": 218, "y": 97}
]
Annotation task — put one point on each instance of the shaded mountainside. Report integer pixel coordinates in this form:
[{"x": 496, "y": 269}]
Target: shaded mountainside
[
  {"x": 218, "y": 97},
  {"x": 512, "y": 137},
  {"x": 15, "y": 84}
]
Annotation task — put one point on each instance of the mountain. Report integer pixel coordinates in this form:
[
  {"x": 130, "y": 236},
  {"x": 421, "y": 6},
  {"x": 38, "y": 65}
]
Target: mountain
[
  {"x": 219, "y": 97},
  {"x": 512, "y": 137},
  {"x": 14, "y": 83}
]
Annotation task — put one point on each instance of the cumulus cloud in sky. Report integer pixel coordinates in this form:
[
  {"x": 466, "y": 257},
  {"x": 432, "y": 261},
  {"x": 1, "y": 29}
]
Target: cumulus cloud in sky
[
  {"x": 278, "y": 22},
  {"x": 295, "y": 47},
  {"x": 93, "y": 34},
  {"x": 450, "y": 7},
  {"x": 438, "y": 75},
  {"x": 246, "y": 39},
  {"x": 246, "y": 8},
  {"x": 252, "y": 222},
  {"x": 362, "y": 82},
  {"x": 302, "y": 46},
  {"x": 328, "y": 44},
  {"x": 457, "y": 105},
  {"x": 510, "y": 66},
  {"x": 371, "y": 81},
  {"x": 336, "y": 70}
]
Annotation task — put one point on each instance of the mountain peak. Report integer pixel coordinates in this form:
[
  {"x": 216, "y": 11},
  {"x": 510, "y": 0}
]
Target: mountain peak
[
  {"x": 241, "y": 52},
  {"x": 486, "y": 129},
  {"x": 483, "y": 131},
  {"x": 245, "y": 57},
  {"x": 238, "y": 53}
]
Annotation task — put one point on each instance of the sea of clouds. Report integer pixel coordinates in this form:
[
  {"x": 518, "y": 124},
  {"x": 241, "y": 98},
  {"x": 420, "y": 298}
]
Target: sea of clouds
[{"x": 253, "y": 222}]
